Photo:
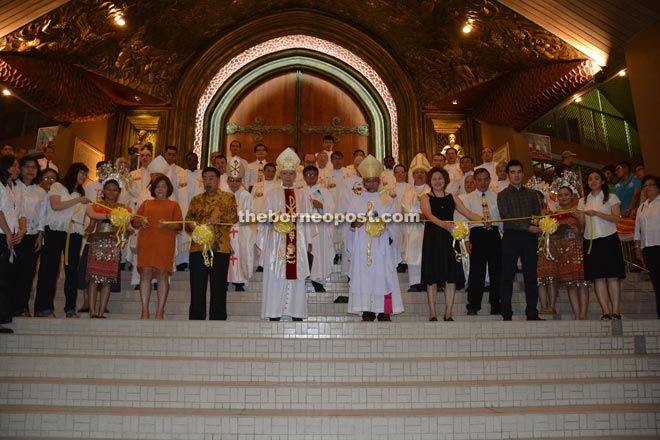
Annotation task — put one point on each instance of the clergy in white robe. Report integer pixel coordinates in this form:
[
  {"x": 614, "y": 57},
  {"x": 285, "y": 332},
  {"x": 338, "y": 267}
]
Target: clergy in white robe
[
  {"x": 241, "y": 237},
  {"x": 322, "y": 246},
  {"x": 414, "y": 232},
  {"x": 285, "y": 264},
  {"x": 255, "y": 170},
  {"x": 259, "y": 192},
  {"x": 374, "y": 285}
]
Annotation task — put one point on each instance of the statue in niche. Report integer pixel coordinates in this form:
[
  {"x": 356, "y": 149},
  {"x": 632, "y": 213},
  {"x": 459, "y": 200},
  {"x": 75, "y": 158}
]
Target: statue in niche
[
  {"x": 453, "y": 144},
  {"x": 134, "y": 150}
]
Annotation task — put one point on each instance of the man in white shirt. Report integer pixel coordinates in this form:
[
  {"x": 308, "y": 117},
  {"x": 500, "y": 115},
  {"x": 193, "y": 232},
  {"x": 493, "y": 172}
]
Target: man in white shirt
[
  {"x": 328, "y": 145},
  {"x": 235, "y": 151},
  {"x": 309, "y": 160},
  {"x": 320, "y": 258},
  {"x": 411, "y": 204},
  {"x": 487, "y": 158},
  {"x": 358, "y": 157},
  {"x": 397, "y": 229},
  {"x": 502, "y": 179},
  {"x": 255, "y": 170},
  {"x": 220, "y": 163},
  {"x": 47, "y": 160},
  {"x": 454, "y": 169},
  {"x": 387, "y": 177},
  {"x": 259, "y": 192},
  {"x": 141, "y": 177},
  {"x": 322, "y": 163},
  {"x": 467, "y": 167},
  {"x": 486, "y": 245}
]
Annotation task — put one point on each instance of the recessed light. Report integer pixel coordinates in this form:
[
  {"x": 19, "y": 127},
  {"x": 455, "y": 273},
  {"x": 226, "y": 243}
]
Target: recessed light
[
  {"x": 578, "y": 99},
  {"x": 120, "y": 20},
  {"x": 6, "y": 92},
  {"x": 622, "y": 72},
  {"x": 467, "y": 28},
  {"x": 454, "y": 101}
]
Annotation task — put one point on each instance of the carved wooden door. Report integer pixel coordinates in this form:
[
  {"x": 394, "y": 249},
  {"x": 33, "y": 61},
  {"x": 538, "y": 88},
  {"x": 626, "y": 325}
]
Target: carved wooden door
[{"x": 297, "y": 108}]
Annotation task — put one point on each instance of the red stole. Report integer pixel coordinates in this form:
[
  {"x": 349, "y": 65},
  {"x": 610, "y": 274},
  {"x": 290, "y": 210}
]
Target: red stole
[{"x": 291, "y": 267}]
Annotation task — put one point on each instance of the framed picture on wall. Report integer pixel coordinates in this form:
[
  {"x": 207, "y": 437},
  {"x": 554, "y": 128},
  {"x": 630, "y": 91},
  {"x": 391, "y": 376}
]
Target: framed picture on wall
[
  {"x": 501, "y": 154},
  {"x": 539, "y": 146},
  {"x": 87, "y": 154}
]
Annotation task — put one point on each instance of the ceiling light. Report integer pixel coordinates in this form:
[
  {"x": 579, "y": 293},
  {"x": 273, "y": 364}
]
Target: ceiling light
[
  {"x": 454, "y": 101},
  {"x": 6, "y": 92},
  {"x": 578, "y": 99},
  {"x": 467, "y": 28},
  {"x": 119, "y": 20},
  {"x": 622, "y": 72}
]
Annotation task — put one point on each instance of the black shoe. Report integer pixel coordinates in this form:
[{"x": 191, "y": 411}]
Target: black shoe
[
  {"x": 450, "y": 319},
  {"x": 318, "y": 287},
  {"x": 368, "y": 316},
  {"x": 274, "y": 319},
  {"x": 495, "y": 310},
  {"x": 337, "y": 259},
  {"x": 238, "y": 287},
  {"x": 259, "y": 269},
  {"x": 136, "y": 287},
  {"x": 416, "y": 288},
  {"x": 296, "y": 319},
  {"x": 106, "y": 310},
  {"x": 6, "y": 330},
  {"x": 472, "y": 312},
  {"x": 535, "y": 318},
  {"x": 384, "y": 317},
  {"x": 182, "y": 267},
  {"x": 122, "y": 266},
  {"x": 154, "y": 286},
  {"x": 402, "y": 268},
  {"x": 342, "y": 300}
]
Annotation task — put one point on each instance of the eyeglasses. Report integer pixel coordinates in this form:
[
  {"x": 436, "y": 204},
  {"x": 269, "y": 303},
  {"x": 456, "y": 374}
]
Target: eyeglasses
[
  {"x": 311, "y": 174},
  {"x": 49, "y": 178},
  {"x": 232, "y": 180}
]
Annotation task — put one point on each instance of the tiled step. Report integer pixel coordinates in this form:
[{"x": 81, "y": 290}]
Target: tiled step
[
  {"x": 424, "y": 395},
  {"x": 600, "y": 421},
  {"x": 216, "y": 367}
]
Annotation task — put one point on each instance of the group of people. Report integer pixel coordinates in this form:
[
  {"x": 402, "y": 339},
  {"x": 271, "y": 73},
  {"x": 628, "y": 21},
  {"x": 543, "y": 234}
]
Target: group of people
[{"x": 46, "y": 216}]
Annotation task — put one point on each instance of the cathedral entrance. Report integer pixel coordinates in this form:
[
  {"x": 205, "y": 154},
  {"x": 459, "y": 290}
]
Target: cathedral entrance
[{"x": 297, "y": 108}]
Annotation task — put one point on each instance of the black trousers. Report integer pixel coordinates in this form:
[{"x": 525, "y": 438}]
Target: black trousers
[
  {"x": 26, "y": 268},
  {"x": 523, "y": 245},
  {"x": 6, "y": 283},
  {"x": 51, "y": 256},
  {"x": 652, "y": 258},
  {"x": 200, "y": 275},
  {"x": 486, "y": 252}
]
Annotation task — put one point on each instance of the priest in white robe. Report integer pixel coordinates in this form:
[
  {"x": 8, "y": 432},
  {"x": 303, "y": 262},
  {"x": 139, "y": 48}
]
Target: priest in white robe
[
  {"x": 285, "y": 264},
  {"x": 322, "y": 246},
  {"x": 241, "y": 237},
  {"x": 259, "y": 192},
  {"x": 374, "y": 285},
  {"x": 414, "y": 232}
]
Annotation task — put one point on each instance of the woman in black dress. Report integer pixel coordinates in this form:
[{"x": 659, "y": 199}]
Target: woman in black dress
[{"x": 439, "y": 265}]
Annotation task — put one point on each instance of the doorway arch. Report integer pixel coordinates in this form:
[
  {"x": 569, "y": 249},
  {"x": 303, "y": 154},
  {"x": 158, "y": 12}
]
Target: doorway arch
[{"x": 289, "y": 52}]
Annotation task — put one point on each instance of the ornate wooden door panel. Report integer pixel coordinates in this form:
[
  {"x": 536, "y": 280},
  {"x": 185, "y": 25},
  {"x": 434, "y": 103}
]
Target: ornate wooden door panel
[{"x": 297, "y": 108}]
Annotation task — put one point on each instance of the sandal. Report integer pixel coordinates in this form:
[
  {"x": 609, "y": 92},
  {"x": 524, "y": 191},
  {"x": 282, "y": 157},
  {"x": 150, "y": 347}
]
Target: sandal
[
  {"x": 605, "y": 317},
  {"x": 433, "y": 318},
  {"x": 616, "y": 317},
  {"x": 450, "y": 319}
]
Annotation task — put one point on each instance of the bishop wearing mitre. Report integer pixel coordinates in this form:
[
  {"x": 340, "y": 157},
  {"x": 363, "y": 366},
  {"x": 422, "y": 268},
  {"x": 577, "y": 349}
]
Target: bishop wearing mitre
[
  {"x": 285, "y": 251},
  {"x": 374, "y": 285}
]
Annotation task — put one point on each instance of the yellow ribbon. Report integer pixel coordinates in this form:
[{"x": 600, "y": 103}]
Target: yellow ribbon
[
  {"x": 460, "y": 232},
  {"x": 548, "y": 227},
  {"x": 591, "y": 234},
  {"x": 119, "y": 218},
  {"x": 204, "y": 235},
  {"x": 375, "y": 227}
]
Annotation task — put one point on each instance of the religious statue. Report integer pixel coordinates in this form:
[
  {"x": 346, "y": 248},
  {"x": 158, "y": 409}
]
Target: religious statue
[
  {"x": 453, "y": 144},
  {"x": 134, "y": 150}
]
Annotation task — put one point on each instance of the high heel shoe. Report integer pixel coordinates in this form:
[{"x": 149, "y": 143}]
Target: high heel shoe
[
  {"x": 450, "y": 319},
  {"x": 433, "y": 318}
]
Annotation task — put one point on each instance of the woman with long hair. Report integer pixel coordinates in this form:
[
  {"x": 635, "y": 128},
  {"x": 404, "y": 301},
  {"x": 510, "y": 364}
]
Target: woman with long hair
[
  {"x": 63, "y": 234},
  {"x": 156, "y": 242},
  {"x": 33, "y": 198},
  {"x": 603, "y": 258},
  {"x": 12, "y": 230}
]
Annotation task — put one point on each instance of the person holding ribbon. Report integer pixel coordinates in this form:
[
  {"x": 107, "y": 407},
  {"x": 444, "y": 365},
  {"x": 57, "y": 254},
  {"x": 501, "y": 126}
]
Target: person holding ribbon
[
  {"x": 156, "y": 242},
  {"x": 440, "y": 263},
  {"x": 104, "y": 252},
  {"x": 63, "y": 233},
  {"x": 209, "y": 220},
  {"x": 374, "y": 283},
  {"x": 603, "y": 258},
  {"x": 285, "y": 251}
]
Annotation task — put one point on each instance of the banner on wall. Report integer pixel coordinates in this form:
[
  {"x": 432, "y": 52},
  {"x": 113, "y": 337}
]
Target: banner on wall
[{"x": 539, "y": 146}]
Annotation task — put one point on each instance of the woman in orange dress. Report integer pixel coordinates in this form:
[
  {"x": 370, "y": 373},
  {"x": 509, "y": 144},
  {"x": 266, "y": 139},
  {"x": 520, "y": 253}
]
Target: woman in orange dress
[{"x": 156, "y": 242}]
